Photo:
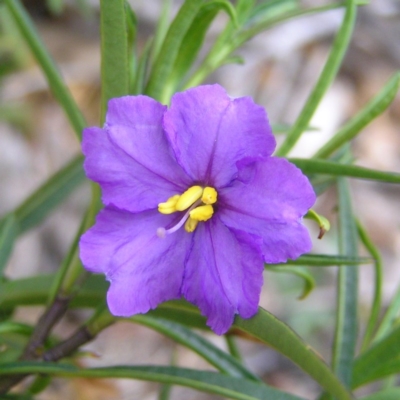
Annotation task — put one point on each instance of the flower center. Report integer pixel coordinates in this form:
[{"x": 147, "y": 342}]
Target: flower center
[{"x": 198, "y": 203}]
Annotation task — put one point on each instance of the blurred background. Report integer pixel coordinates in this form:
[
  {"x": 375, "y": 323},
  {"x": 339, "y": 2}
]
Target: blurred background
[{"x": 281, "y": 66}]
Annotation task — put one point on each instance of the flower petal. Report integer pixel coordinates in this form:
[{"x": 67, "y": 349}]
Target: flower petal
[
  {"x": 131, "y": 158},
  {"x": 223, "y": 274},
  {"x": 209, "y": 132},
  {"x": 144, "y": 270},
  {"x": 269, "y": 199}
]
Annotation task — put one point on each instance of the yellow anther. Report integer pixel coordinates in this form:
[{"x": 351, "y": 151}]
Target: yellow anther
[
  {"x": 169, "y": 206},
  {"x": 190, "y": 225},
  {"x": 209, "y": 195},
  {"x": 189, "y": 197},
  {"x": 202, "y": 213}
]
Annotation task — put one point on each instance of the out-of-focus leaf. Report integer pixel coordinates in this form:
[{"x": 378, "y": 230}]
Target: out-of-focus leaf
[
  {"x": 170, "y": 48},
  {"x": 131, "y": 27},
  {"x": 346, "y": 314},
  {"x": 35, "y": 291},
  {"x": 161, "y": 30},
  {"x": 270, "y": 330},
  {"x": 389, "y": 318},
  {"x": 11, "y": 346},
  {"x": 382, "y": 359},
  {"x": 8, "y": 234},
  {"x": 302, "y": 273},
  {"x": 193, "y": 41},
  {"x": 210, "y": 382},
  {"x": 386, "y": 394},
  {"x": 327, "y": 76},
  {"x": 59, "y": 90},
  {"x": 15, "y": 327},
  {"x": 269, "y": 9},
  {"x": 312, "y": 166},
  {"x": 40, "y": 383},
  {"x": 373, "y": 109},
  {"x": 56, "y": 189},
  {"x": 324, "y": 260},
  {"x": 138, "y": 84},
  {"x": 184, "y": 336},
  {"x": 378, "y": 281},
  {"x": 55, "y": 6},
  {"x": 114, "y": 52}
]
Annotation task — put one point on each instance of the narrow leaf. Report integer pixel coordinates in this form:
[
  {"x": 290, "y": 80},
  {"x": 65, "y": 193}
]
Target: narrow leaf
[
  {"x": 210, "y": 382},
  {"x": 302, "y": 273},
  {"x": 327, "y": 76},
  {"x": 377, "y": 299},
  {"x": 170, "y": 48},
  {"x": 382, "y": 359},
  {"x": 59, "y": 90},
  {"x": 324, "y": 260},
  {"x": 387, "y": 394},
  {"x": 184, "y": 336},
  {"x": 270, "y": 330},
  {"x": 373, "y": 109},
  {"x": 161, "y": 30},
  {"x": 193, "y": 41},
  {"x": 139, "y": 81},
  {"x": 312, "y": 166},
  {"x": 114, "y": 51},
  {"x": 55, "y": 190},
  {"x": 8, "y": 234},
  {"x": 389, "y": 318},
  {"x": 346, "y": 316},
  {"x": 35, "y": 291}
]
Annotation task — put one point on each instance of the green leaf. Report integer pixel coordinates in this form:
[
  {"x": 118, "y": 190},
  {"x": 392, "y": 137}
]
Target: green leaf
[
  {"x": 139, "y": 81},
  {"x": 59, "y": 90},
  {"x": 387, "y": 394},
  {"x": 302, "y": 273},
  {"x": 182, "y": 312},
  {"x": 193, "y": 41},
  {"x": 210, "y": 382},
  {"x": 15, "y": 327},
  {"x": 267, "y": 10},
  {"x": 18, "y": 397},
  {"x": 312, "y": 166},
  {"x": 374, "y": 108},
  {"x": 56, "y": 7},
  {"x": 327, "y": 76},
  {"x": 170, "y": 48},
  {"x": 382, "y": 359},
  {"x": 40, "y": 383},
  {"x": 184, "y": 336},
  {"x": 12, "y": 344},
  {"x": 346, "y": 315},
  {"x": 324, "y": 260},
  {"x": 131, "y": 29},
  {"x": 270, "y": 330},
  {"x": 389, "y": 318},
  {"x": 161, "y": 30},
  {"x": 114, "y": 52},
  {"x": 377, "y": 299},
  {"x": 35, "y": 291},
  {"x": 55, "y": 190},
  {"x": 8, "y": 234}
]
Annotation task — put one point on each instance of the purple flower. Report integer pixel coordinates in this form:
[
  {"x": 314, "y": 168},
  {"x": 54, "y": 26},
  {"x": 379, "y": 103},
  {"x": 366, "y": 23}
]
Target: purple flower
[{"x": 194, "y": 204}]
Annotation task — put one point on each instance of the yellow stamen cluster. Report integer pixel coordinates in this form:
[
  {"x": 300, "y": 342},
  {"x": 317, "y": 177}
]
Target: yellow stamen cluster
[{"x": 201, "y": 199}]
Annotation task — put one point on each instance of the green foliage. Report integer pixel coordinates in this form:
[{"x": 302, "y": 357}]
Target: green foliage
[{"x": 173, "y": 60}]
